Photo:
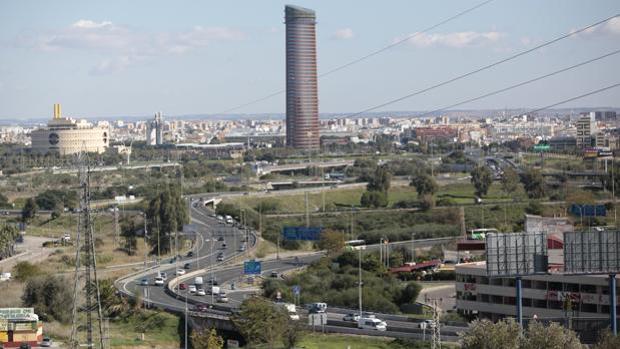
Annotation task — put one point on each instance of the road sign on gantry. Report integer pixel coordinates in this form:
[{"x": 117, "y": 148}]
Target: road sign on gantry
[
  {"x": 592, "y": 252},
  {"x": 516, "y": 254}
]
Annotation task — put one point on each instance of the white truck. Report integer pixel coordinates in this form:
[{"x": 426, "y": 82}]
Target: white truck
[
  {"x": 315, "y": 308},
  {"x": 214, "y": 290},
  {"x": 198, "y": 281}
]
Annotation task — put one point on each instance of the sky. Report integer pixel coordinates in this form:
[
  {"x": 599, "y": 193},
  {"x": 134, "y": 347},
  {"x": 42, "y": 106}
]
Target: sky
[{"x": 130, "y": 58}]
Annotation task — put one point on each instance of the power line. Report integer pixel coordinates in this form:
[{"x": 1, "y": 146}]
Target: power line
[
  {"x": 575, "y": 98},
  {"x": 373, "y": 53},
  {"x": 521, "y": 83},
  {"x": 488, "y": 66}
]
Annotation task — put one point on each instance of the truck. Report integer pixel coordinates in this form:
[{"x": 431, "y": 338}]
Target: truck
[
  {"x": 317, "y": 307},
  {"x": 215, "y": 290},
  {"x": 198, "y": 281}
]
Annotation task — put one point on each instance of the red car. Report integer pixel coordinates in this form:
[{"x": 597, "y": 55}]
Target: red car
[
  {"x": 201, "y": 307},
  {"x": 182, "y": 286}
]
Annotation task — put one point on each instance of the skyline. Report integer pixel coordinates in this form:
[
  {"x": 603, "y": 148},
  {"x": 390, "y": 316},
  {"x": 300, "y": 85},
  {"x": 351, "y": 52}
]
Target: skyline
[{"x": 100, "y": 61}]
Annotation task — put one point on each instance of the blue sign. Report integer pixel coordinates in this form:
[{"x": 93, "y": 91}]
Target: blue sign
[
  {"x": 588, "y": 210},
  {"x": 252, "y": 267},
  {"x": 296, "y": 290},
  {"x": 302, "y": 233}
]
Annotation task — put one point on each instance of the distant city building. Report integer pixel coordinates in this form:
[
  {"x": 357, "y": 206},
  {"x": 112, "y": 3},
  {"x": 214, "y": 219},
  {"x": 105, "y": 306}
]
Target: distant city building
[
  {"x": 586, "y": 129},
  {"x": 302, "y": 103},
  {"x": 155, "y": 131},
  {"x": 68, "y": 136}
]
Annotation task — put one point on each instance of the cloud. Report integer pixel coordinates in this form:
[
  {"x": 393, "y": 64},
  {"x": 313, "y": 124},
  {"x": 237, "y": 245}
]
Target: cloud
[
  {"x": 611, "y": 27},
  {"x": 343, "y": 34},
  {"x": 456, "y": 39},
  {"x": 125, "y": 45}
]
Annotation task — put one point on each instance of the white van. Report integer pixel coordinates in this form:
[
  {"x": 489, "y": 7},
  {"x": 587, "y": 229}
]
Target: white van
[
  {"x": 369, "y": 323},
  {"x": 198, "y": 281}
]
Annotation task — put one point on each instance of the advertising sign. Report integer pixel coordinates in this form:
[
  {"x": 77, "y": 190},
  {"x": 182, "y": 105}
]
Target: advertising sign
[
  {"x": 592, "y": 252},
  {"x": 516, "y": 254},
  {"x": 302, "y": 233}
]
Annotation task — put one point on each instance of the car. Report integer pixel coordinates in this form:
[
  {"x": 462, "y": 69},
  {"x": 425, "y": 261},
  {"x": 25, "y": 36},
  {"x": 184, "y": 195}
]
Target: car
[
  {"x": 144, "y": 282},
  {"x": 180, "y": 271},
  {"x": 371, "y": 323},
  {"x": 201, "y": 292},
  {"x": 224, "y": 246},
  {"x": 274, "y": 274},
  {"x": 187, "y": 266},
  {"x": 159, "y": 281},
  {"x": 220, "y": 258},
  {"x": 220, "y": 238},
  {"x": 201, "y": 307},
  {"x": 25, "y": 346},
  {"x": 163, "y": 275},
  {"x": 191, "y": 288},
  {"x": 428, "y": 323},
  {"x": 222, "y": 298},
  {"x": 190, "y": 254},
  {"x": 182, "y": 286},
  {"x": 46, "y": 342},
  {"x": 351, "y": 317},
  {"x": 212, "y": 281}
]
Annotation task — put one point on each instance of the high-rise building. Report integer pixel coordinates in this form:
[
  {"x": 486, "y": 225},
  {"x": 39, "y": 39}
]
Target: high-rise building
[
  {"x": 586, "y": 129},
  {"x": 302, "y": 101},
  {"x": 68, "y": 136},
  {"x": 155, "y": 130}
]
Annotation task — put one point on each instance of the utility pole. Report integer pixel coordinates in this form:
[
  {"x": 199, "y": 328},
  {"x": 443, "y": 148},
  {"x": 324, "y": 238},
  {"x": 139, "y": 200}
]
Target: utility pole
[
  {"x": 307, "y": 210},
  {"x": 436, "y": 329},
  {"x": 359, "y": 269},
  {"x": 117, "y": 239},
  {"x": 412, "y": 248}
]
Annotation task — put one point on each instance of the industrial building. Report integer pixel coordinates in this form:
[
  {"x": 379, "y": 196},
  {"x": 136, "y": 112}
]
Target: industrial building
[
  {"x": 68, "y": 136},
  {"x": 19, "y": 325},
  {"x": 302, "y": 101}
]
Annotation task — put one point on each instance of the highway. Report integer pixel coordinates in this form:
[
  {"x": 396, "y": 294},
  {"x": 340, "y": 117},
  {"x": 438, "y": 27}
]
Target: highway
[{"x": 204, "y": 264}]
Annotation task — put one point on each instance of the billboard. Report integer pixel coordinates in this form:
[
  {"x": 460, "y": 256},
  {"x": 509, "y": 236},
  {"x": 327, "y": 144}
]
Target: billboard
[
  {"x": 588, "y": 210},
  {"x": 16, "y": 313},
  {"x": 516, "y": 254},
  {"x": 302, "y": 233},
  {"x": 252, "y": 267},
  {"x": 592, "y": 252}
]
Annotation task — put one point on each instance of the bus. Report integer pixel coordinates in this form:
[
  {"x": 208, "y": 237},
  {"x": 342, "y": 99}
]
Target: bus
[
  {"x": 355, "y": 245},
  {"x": 480, "y": 234}
]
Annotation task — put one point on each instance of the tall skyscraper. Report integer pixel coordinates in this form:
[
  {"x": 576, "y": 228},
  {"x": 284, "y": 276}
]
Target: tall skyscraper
[
  {"x": 302, "y": 100},
  {"x": 155, "y": 130}
]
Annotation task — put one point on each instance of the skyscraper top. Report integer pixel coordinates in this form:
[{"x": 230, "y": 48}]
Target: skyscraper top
[{"x": 294, "y": 11}]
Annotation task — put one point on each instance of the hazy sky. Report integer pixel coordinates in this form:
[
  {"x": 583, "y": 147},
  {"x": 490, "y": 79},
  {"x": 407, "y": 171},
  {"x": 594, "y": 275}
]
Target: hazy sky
[{"x": 107, "y": 58}]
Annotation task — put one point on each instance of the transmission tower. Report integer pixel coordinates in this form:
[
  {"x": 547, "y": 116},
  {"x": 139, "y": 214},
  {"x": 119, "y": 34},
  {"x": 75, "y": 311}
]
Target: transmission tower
[
  {"x": 86, "y": 283},
  {"x": 436, "y": 338}
]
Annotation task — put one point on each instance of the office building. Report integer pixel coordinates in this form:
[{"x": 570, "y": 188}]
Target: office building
[
  {"x": 155, "y": 130},
  {"x": 586, "y": 129},
  {"x": 68, "y": 136},
  {"x": 302, "y": 104}
]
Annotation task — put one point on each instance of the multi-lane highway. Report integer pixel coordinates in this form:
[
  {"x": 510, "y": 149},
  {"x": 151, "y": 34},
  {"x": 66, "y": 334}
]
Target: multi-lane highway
[{"x": 212, "y": 236}]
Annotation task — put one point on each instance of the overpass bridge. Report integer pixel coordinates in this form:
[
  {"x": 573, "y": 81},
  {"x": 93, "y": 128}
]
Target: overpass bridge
[{"x": 263, "y": 170}]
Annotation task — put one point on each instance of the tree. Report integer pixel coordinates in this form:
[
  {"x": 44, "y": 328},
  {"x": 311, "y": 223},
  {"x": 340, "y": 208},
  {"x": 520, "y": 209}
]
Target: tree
[
  {"x": 510, "y": 181},
  {"x": 30, "y": 210},
  {"x": 482, "y": 179},
  {"x": 380, "y": 181},
  {"x": 427, "y": 202},
  {"x": 8, "y": 235},
  {"x": 409, "y": 294},
  {"x": 206, "y": 339},
  {"x": 50, "y": 296},
  {"x": 128, "y": 232},
  {"x": 607, "y": 340},
  {"x": 533, "y": 183},
  {"x": 374, "y": 199},
  {"x": 166, "y": 215},
  {"x": 4, "y": 201},
  {"x": 484, "y": 334},
  {"x": 424, "y": 184},
  {"x": 260, "y": 322},
  {"x": 553, "y": 336},
  {"x": 332, "y": 241},
  {"x": 57, "y": 211},
  {"x": 111, "y": 304}
]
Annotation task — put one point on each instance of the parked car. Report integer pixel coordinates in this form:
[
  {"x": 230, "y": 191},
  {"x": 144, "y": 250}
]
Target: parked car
[
  {"x": 351, "y": 317},
  {"x": 25, "y": 346},
  {"x": 182, "y": 286},
  {"x": 190, "y": 254},
  {"x": 46, "y": 342},
  {"x": 274, "y": 274},
  {"x": 220, "y": 238},
  {"x": 220, "y": 258},
  {"x": 159, "y": 281},
  {"x": 201, "y": 292},
  {"x": 371, "y": 323}
]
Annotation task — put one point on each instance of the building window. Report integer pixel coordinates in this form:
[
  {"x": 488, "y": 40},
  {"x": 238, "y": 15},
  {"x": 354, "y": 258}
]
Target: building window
[
  {"x": 555, "y": 286},
  {"x": 588, "y": 288},
  {"x": 571, "y": 287},
  {"x": 540, "y": 303}
]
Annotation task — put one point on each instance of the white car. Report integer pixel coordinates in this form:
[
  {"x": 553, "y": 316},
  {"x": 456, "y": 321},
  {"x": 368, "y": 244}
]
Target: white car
[
  {"x": 351, "y": 317},
  {"x": 191, "y": 288},
  {"x": 222, "y": 298},
  {"x": 159, "y": 281},
  {"x": 180, "y": 271},
  {"x": 201, "y": 292},
  {"x": 369, "y": 323}
]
